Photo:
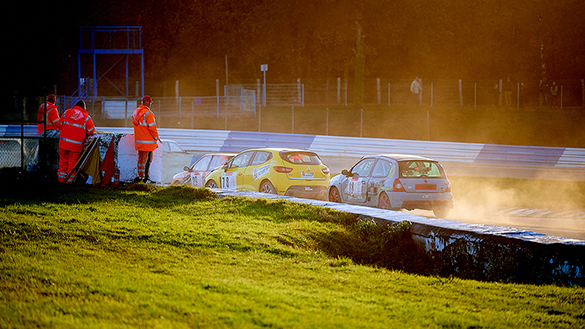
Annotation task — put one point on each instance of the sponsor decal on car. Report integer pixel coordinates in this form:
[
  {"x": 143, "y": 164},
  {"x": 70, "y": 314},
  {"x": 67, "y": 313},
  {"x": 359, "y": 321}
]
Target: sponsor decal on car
[
  {"x": 305, "y": 174},
  {"x": 259, "y": 172}
]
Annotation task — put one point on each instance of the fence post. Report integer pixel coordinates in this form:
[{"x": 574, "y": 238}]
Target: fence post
[
  {"x": 217, "y": 95},
  {"x": 160, "y": 114},
  {"x": 338, "y": 90},
  {"x": 518, "y": 96},
  {"x": 583, "y": 92},
  {"x": 561, "y": 97},
  {"x": 388, "y": 94},
  {"x": 192, "y": 113},
  {"x": 500, "y": 93},
  {"x": 432, "y": 94},
  {"x": 460, "y": 94},
  {"x": 259, "y": 117},
  {"x": 327, "y": 123},
  {"x": 345, "y": 92},
  {"x": 361, "y": 121},
  {"x": 293, "y": 119},
  {"x": 299, "y": 95},
  {"x": 379, "y": 92}
]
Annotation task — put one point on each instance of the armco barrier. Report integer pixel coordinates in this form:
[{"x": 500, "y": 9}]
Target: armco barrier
[
  {"x": 336, "y": 146},
  {"x": 479, "y": 252}
]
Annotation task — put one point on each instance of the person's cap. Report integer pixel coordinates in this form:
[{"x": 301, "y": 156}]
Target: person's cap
[
  {"x": 146, "y": 98},
  {"x": 51, "y": 98},
  {"x": 81, "y": 103}
]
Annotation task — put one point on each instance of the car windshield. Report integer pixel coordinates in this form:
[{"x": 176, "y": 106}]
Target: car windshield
[
  {"x": 420, "y": 168},
  {"x": 299, "y": 157}
]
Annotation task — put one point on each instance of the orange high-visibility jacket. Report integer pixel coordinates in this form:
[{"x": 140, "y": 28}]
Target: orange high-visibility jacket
[
  {"x": 52, "y": 117},
  {"x": 76, "y": 124},
  {"x": 145, "y": 132}
]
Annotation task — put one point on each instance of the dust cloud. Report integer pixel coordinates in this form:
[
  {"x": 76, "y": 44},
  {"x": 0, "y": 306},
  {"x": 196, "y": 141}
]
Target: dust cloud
[{"x": 550, "y": 207}]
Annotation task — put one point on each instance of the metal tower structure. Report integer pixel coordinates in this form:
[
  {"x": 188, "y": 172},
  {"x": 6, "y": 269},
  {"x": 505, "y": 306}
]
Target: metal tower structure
[{"x": 108, "y": 40}]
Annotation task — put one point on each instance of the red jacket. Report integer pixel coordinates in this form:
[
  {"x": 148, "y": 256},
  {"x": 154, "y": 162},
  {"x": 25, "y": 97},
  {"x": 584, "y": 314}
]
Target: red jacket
[
  {"x": 51, "y": 117},
  {"x": 76, "y": 124},
  {"x": 145, "y": 132}
]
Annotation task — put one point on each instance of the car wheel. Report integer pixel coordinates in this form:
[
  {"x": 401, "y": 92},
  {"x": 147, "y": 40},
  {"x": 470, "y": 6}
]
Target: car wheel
[
  {"x": 441, "y": 212},
  {"x": 383, "y": 201},
  {"x": 267, "y": 187},
  {"x": 211, "y": 184},
  {"x": 334, "y": 195}
]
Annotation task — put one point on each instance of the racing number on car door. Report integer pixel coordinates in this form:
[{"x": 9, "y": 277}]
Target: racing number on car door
[
  {"x": 356, "y": 187},
  {"x": 229, "y": 181}
]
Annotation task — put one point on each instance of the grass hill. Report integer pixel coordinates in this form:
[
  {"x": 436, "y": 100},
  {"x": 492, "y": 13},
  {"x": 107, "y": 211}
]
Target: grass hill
[{"x": 150, "y": 257}]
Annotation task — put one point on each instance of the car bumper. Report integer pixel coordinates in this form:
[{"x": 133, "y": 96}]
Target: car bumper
[
  {"x": 427, "y": 201},
  {"x": 308, "y": 192}
]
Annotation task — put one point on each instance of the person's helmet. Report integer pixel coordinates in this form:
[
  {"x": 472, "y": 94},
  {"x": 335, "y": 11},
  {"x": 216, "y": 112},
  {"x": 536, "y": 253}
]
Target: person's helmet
[
  {"x": 81, "y": 103},
  {"x": 146, "y": 100}
]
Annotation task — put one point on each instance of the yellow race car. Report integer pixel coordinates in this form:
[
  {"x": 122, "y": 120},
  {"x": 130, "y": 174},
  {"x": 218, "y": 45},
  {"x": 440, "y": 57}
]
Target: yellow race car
[{"x": 291, "y": 172}]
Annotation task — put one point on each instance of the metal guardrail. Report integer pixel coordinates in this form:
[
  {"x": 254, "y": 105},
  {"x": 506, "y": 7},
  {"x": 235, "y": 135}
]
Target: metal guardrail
[{"x": 337, "y": 146}]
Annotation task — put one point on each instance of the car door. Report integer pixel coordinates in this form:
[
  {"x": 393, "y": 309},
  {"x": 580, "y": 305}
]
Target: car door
[
  {"x": 198, "y": 170},
  {"x": 380, "y": 180},
  {"x": 354, "y": 186},
  {"x": 233, "y": 176},
  {"x": 258, "y": 170}
]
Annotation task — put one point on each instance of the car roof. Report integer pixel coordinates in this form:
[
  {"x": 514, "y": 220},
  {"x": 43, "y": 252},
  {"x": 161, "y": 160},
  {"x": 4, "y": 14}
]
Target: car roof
[
  {"x": 276, "y": 149},
  {"x": 401, "y": 157}
]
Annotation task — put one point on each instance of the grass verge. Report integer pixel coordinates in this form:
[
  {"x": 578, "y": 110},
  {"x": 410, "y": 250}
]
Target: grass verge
[{"x": 144, "y": 256}]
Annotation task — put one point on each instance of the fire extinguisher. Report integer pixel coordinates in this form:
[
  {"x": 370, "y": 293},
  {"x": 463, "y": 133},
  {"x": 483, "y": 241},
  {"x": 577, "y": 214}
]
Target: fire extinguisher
[{"x": 116, "y": 178}]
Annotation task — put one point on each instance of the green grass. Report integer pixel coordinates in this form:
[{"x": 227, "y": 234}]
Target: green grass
[{"x": 151, "y": 257}]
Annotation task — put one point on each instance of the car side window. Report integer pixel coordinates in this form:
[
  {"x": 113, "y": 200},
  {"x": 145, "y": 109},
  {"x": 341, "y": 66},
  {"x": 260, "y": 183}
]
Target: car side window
[
  {"x": 215, "y": 162},
  {"x": 202, "y": 164},
  {"x": 241, "y": 160},
  {"x": 261, "y": 157},
  {"x": 381, "y": 169},
  {"x": 363, "y": 167}
]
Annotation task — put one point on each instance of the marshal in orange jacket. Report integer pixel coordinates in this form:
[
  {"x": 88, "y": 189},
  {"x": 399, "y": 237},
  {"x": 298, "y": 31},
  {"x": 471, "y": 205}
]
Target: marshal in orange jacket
[
  {"x": 145, "y": 132},
  {"x": 51, "y": 116},
  {"x": 76, "y": 124}
]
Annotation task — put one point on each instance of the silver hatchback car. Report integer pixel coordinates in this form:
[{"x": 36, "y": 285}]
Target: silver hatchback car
[{"x": 394, "y": 181}]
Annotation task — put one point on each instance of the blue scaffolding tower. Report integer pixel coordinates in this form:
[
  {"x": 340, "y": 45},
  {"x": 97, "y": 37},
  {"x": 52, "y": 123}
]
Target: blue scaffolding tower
[{"x": 108, "y": 40}]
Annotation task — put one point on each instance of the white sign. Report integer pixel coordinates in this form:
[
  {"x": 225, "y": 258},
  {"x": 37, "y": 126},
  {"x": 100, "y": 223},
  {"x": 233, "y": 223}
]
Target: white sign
[{"x": 264, "y": 67}]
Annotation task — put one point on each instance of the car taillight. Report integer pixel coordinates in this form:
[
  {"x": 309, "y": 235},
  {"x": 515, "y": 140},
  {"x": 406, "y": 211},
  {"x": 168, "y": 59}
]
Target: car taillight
[
  {"x": 325, "y": 170},
  {"x": 282, "y": 169},
  {"x": 448, "y": 189},
  {"x": 398, "y": 186}
]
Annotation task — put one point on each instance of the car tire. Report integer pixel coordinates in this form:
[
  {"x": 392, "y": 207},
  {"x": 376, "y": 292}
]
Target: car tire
[
  {"x": 267, "y": 187},
  {"x": 211, "y": 184},
  {"x": 441, "y": 212},
  {"x": 334, "y": 195},
  {"x": 383, "y": 201}
]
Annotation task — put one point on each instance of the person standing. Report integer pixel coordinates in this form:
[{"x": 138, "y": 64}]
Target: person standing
[
  {"x": 145, "y": 137},
  {"x": 49, "y": 116},
  {"x": 416, "y": 91},
  {"x": 508, "y": 92},
  {"x": 76, "y": 125},
  {"x": 554, "y": 91}
]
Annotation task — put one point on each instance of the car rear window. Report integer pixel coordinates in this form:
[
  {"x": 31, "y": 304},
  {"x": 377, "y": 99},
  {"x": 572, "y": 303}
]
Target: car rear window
[
  {"x": 300, "y": 157},
  {"x": 420, "y": 168}
]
